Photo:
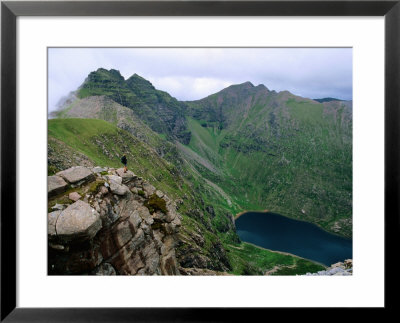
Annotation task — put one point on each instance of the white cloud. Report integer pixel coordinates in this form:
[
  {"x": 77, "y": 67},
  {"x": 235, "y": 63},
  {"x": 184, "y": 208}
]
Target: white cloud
[
  {"x": 193, "y": 73},
  {"x": 189, "y": 88}
]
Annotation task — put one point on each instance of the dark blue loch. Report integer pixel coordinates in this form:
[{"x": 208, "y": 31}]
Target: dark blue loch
[{"x": 276, "y": 232}]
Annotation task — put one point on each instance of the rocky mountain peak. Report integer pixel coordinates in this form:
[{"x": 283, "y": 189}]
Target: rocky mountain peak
[
  {"x": 242, "y": 86},
  {"x": 262, "y": 87},
  {"x": 112, "y": 72},
  {"x": 138, "y": 83},
  {"x": 161, "y": 112},
  {"x": 247, "y": 84},
  {"x": 104, "y": 75}
]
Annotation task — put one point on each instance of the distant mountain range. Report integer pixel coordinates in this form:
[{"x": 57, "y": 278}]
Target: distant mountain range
[{"x": 243, "y": 148}]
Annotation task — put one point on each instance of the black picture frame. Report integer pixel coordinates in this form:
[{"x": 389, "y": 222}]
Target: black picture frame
[{"x": 10, "y": 10}]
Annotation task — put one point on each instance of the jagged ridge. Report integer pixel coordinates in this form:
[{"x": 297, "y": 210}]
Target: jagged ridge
[{"x": 163, "y": 113}]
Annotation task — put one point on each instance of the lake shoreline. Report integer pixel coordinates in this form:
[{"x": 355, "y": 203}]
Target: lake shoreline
[
  {"x": 237, "y": 216},
  {"x": 286, "y": 253},
  {"x": 266, "y": 232}
]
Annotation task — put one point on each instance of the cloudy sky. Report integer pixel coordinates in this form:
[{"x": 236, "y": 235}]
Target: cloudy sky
[{"x": 194, "y": 73}]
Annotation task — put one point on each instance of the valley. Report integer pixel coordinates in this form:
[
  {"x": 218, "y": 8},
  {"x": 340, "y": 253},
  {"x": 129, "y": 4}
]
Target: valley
[{"x": 243, "y": 148}]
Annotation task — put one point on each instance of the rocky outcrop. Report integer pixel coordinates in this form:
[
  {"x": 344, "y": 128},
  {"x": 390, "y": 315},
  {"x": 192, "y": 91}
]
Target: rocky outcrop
[
  {"x": 339, "y": 269},
  {"x": 78, "y": 222},
  {"x": 101, "y": 226},
  {"x": 56, "y": 185},
  {"x": 193, "y": 253},
  {"x": 202, "y": 272},
  {"x": 77, "y": 175}
]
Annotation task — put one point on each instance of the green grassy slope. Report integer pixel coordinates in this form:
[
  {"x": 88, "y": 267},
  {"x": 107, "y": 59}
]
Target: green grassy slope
[
  {"x": 103, "y": 108},
  {"x": 205, "y": 214},
  {"x": 104, "y": 144},
  {"x": 278, "y": 152},
  {"x": 249, "y": 259}
]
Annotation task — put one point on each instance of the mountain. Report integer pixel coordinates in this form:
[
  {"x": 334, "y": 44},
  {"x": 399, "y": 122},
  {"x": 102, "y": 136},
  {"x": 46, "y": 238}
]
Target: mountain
[
  {"x": 278, "y": 151},
  {"x": 243, "y": 148},
  {"x": 163, "y": 113}
]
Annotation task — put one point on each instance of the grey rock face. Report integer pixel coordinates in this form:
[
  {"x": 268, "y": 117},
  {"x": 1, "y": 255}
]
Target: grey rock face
[
  {"x": 337, "y": 269},
  {"x": 118, "y": 189},
  {"x": 78, "y": 222},
  {"x": 148, "y": 188},
  {"x": 77, "y": 174},
  {"x": 116, "y": 185},
  {"x": 98, "y": 169},
  {"x": 126, "y": 177},
  {"x": 159, "y": 193},
  {"x": 111, "y": 231},
  {"x": 114, "y": 178},
  {"x": 74, "y": 196},
  {"x": 51, "y": 223},
  {"x": 105, "y": 269},
  {"x": 55, "y": 185}
]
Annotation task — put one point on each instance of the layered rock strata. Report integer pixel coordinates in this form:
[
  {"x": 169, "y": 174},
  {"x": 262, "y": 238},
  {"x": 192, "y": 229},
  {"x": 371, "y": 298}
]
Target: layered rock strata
[{"x": 99, "y": 223}]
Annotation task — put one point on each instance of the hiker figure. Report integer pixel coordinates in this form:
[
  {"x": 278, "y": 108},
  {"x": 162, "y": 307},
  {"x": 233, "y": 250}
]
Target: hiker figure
[{"x": 124, "y": 161}]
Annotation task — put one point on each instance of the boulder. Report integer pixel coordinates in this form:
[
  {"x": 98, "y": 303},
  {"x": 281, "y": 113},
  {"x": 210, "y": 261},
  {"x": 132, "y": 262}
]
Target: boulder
[
  {"x": 98, "y": 169},
  {"x": 51, "y": 223},
  {"x": 126, "y": 177},
  {"x": 114, "y": 178},
  {"x": 148, "y": 188},
  {"x": 74, "y": 196},
  {"x": 78, "y": 222},
  {"x": 77, "y": 175},
  {"x": 55, "y": 185},
  {"x": 159, "y": 193},
  {"x": 145, "y": 214},
  {"x": 118, "y": 189}
]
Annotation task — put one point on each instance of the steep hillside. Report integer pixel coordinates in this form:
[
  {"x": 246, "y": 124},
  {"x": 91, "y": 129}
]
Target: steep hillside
[
  {"x": 207, "y": 239},
  {"x": 161, "y": 112},
  {"x": 103, "y": 108},
  {"x": 277, "y": 151}
]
